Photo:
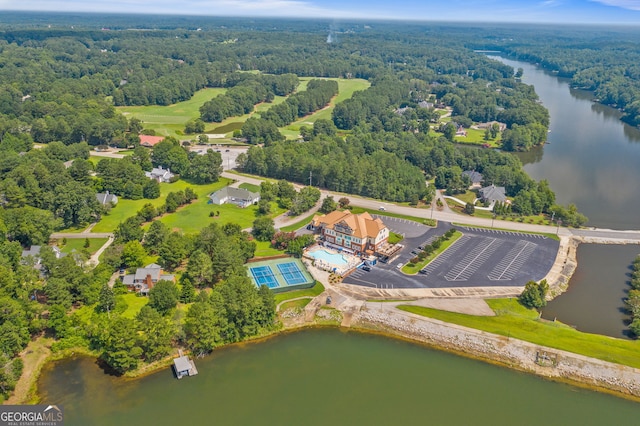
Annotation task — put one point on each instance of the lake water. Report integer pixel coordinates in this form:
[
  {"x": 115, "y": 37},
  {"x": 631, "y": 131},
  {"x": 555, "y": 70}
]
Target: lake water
[
  {"x": 592, "y": 157},
  {"x": 327, "y": 377},
  {"x": 591, "y": 160}
]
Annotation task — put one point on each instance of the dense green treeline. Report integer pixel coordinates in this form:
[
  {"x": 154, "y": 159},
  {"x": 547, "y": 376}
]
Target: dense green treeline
[{"x": 317, "y": 96}]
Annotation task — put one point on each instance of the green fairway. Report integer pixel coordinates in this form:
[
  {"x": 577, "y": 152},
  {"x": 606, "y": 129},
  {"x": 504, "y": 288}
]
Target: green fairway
[
  {"x": 128, "y": 208},
  {"x": 170, "y": 120},
  {"x": 77, "y": 244},
  {"x": 513, "y": 320},
  {"x": 346, "y": 88}
]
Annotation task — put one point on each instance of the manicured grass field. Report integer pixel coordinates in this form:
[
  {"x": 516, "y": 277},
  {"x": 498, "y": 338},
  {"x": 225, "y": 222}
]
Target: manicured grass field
[
  {"x": 192, "y": 218},
  {"x": 428, "y": 222},
  {"x": 412, "y": 270},
  {"x": 467, "y": 197},
  {"x": 127, "y": 208},
  {"x": 170, "y": 120},
  {"x": 78, "y": 244},
  {"x": 250, "y": 187},
  {"x": 263, "y": 249},
  {"x": 513, "y": 320},
  {"x": 346, "y": 88},
  {"x": 312, "y": 292},
  {"x": 134, "y": 304}
]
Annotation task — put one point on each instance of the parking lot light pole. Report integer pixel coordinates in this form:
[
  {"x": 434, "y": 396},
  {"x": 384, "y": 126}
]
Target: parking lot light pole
[
  {"x": 558, "y": 229},
  {"x": 493, "y": 217}
]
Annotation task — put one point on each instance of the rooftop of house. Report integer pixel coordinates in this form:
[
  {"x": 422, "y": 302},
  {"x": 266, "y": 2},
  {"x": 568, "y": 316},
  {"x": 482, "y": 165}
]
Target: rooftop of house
[
  {"x": 363, "y": 225},
  {"x": 474, "y": 176},
  {"x": 493, "y": 193},
  {"x": 106, "y": 197},
  {"x": 148, "y": 140},
  {"x": 240, "y": 193},
  {"x": 35, "y": 251}
]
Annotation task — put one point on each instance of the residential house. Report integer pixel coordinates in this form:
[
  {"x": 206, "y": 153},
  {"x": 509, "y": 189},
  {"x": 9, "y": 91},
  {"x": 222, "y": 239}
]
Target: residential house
[
  {"x": 160, "y": 174},
  {"x": 501, "y": 126},
  {"x": 425, "y": 104},
  {"x": 34, "y": 253},
  {"x": 238, "y": 196},
  {"x": 105, "y": 198},
  {"x": 357, "y": 233},
  {"x": 145, "y": 278},
  {"x": 474, "y": 177},
  {"x": 150, "y": 141},
  {"x": 461, "y": 131},
  {"x": 492, "y": 194}
]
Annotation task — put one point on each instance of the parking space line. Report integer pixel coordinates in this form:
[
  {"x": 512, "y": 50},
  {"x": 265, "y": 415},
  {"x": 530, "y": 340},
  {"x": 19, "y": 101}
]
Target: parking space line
[
  {"x": 473, "y": 261},
  {"x": 507, "y": 268}
]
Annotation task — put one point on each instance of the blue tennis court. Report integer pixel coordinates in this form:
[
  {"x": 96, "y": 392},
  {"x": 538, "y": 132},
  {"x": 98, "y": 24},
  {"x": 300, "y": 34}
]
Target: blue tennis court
[
  {"x": 263, "y": 275},
  {"x": 291, "y": 273}
]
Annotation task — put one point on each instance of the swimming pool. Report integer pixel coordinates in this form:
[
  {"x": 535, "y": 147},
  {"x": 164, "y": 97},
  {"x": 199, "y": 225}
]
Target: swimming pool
[{"x": 332, "y": 258}]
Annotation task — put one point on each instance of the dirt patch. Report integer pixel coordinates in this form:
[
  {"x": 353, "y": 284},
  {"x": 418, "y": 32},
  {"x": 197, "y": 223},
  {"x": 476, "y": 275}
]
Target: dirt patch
[{"x": 33, "y": 357}]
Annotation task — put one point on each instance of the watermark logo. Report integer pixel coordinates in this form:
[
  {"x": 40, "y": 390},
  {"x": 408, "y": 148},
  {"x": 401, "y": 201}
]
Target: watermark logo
[{"x": 31, "y": 415}]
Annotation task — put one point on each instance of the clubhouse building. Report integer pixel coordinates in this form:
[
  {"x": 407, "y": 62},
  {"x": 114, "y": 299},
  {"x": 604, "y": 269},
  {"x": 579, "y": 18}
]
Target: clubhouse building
[{"x": 355, "y": 233}]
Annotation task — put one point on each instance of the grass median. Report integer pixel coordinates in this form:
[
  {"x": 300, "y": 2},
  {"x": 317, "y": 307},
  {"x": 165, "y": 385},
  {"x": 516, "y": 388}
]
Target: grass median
[
  {"x": 514, "y": 320},
  {"x": 424, "y": 221},
  {"x": 412, "y": 269}
]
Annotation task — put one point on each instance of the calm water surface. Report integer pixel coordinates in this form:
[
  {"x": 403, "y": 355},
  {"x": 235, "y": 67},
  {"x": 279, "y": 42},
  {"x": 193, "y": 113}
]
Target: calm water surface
[
  {"x": 591, "y": 160},
  {"x": 592, "y": 157},
  {"x": 328, "y": 377},
  {"x": 594, "y": 300}
]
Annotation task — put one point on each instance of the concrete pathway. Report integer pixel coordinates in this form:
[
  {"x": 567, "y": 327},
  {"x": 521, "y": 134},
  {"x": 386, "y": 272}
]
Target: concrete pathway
[{"x": 95, "y": 257}]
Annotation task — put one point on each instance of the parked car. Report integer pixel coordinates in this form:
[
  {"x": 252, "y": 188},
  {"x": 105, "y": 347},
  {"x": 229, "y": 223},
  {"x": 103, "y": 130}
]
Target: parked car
[
  {"x": 399, "y": 265},
  {"x": 226, "y": 150},
  {"x": 414, "y": 252},
  {"x": 366, "y": 268},
  {"x": 382, "y": 208},
  {"x": 420, "y": 248},
  {"x": 423, "y": 271},
  {"x": 328, "y": 300}
]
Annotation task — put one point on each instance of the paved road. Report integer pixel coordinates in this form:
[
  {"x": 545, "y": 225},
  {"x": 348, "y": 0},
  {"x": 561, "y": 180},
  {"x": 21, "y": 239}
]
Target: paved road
[
  {"x": 449, "y": 216},
  {"x": 57, "y": 235}
]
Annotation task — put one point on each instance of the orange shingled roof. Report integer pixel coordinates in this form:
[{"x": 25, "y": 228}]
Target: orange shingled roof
[
  {"x": 148, "y": 140},
  {"x": 363, "y": 224}
]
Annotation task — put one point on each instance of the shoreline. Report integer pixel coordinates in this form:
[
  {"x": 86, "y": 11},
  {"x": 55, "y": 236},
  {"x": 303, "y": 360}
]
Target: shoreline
[{"x": 506, "y": 352}]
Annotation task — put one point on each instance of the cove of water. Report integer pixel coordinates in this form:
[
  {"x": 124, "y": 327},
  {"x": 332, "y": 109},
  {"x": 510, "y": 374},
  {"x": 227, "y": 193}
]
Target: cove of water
[
  {"x": 594, "y": 301},
  {"x": 327, "y": 377},
  {"x": 592, "y": 157},
  {"x": 591, "y": 160}
]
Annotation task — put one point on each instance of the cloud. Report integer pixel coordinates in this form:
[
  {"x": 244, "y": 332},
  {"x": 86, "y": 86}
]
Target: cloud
[{"x": 623, "y": 4}]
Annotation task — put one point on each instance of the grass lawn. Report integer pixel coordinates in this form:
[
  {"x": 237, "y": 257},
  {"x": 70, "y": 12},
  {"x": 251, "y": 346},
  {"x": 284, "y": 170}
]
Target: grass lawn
[
  {"x": 78, "y": 244},
  {"x": 311, "y": 292},
  {"x": 429, "y": 222},
  {"x": 408, "y": 269},
  {"x": 128, "y": 208},
  {"x": 250, "y": 187},
  {"x": 170, "y": 120},
  {"x": 263, "y": 249},
  {"x": 298, "y": 304},
  {"x": 513, "y": 320},
  {"x": 192, "y": 218},
  {"x": 476, "y": 137},
  {"x": 467, "y": 197},
  {"x": 395, "y": 238},
  {"x": 299, "y": 224},
  {"x": 134, "y": 304}
]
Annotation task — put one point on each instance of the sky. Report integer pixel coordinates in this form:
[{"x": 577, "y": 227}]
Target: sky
[{"x": 546, "y": 11}]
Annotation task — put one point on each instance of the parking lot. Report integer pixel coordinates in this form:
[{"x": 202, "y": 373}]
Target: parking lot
[
  {"x": 480, "y": 258},
  {"x": 228, "y": 153}
]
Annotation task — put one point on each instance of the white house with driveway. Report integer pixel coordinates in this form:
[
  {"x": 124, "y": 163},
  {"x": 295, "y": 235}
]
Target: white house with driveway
[{"x": 238, "y": 196}]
